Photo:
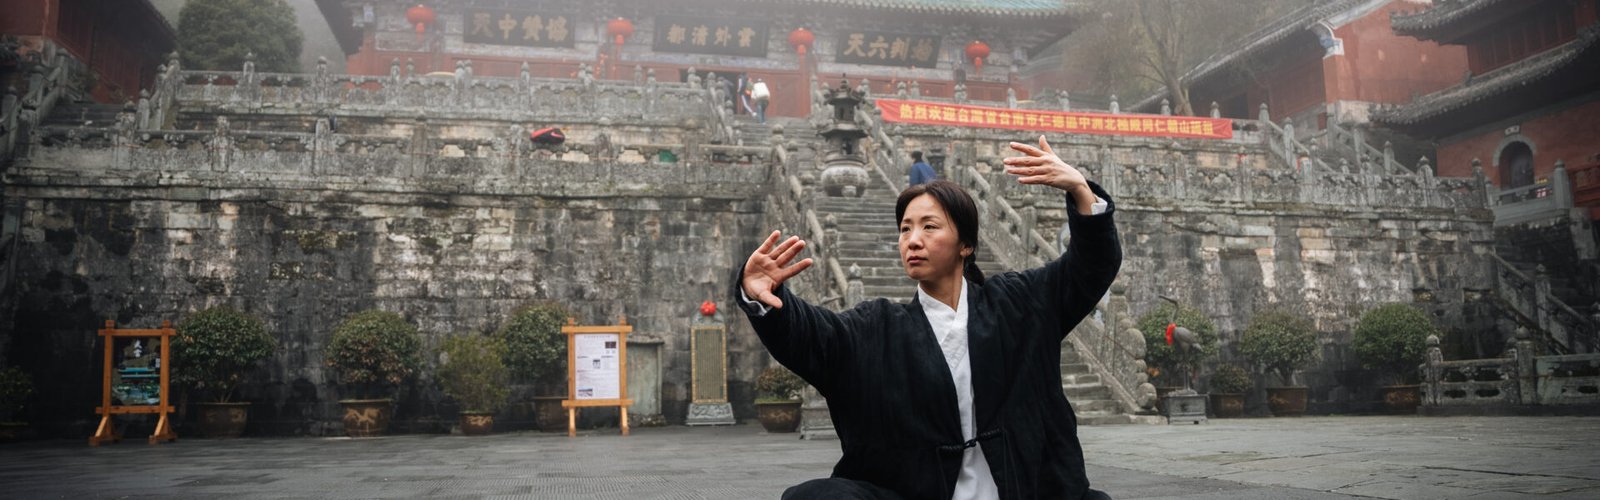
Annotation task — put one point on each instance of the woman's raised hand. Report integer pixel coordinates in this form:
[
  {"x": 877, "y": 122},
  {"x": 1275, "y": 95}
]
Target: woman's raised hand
[
  {"x": 769, "y": 267},
  {"x": 1042, "y": 166}
]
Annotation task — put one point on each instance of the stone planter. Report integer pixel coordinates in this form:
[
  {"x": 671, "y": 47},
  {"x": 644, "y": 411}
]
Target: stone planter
[
  {"x": 223, "y": 420},
  {"x": 779, "y": 417},
  {"x": 1161, "y": 397},
  {"x": 1185, "y": 406},
  {"x": 548, "y": 414},
  {"x": 477, "y": 423},
  {"x": 1287, "y": 401},
  {"x": 1401, "y": 399},
  {"x": 1227, "y": 405},
  {"x": 366, "y": 417}
]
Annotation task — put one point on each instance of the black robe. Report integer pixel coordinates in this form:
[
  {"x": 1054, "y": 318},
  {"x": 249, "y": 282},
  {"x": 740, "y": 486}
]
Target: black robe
[{"x": 891, "y": 394}]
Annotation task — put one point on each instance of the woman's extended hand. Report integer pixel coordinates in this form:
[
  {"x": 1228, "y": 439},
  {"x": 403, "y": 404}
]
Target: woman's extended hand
[
  {"x": 1042, "y": 166},
  {"x": 769, "y": 267}
]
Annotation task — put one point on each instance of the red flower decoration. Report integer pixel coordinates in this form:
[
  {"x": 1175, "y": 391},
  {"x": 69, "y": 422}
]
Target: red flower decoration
[
  {"x": 1170, "y": 326},
  {"x": 708, "y": 308}
]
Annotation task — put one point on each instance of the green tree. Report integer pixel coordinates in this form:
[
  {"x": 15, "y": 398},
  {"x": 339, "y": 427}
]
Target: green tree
[
  {"x": 216, "y": 348},
  {"x": 1392, "y": 338},
  {"x": 1281, "y": 341},
  {"x": 1168, "y": 358},
  {"x": 217, "y": 34}
]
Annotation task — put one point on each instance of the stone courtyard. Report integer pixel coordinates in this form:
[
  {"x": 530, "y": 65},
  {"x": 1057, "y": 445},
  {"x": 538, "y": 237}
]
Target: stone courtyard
[{"x": 1296, "y": 458}]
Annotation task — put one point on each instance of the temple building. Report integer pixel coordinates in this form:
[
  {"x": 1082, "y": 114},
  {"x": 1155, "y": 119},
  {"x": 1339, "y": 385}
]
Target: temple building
[
  {"x": 1529, "y": 98},
  {"x": 786, "y": 43},
  {"x": 121, "y": 41},
  {"x": 1325, "y": 62}
]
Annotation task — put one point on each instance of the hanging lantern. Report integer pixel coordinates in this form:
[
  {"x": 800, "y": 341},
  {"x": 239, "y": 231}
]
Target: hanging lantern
[
  {"x": 619, "y": 28},
  {"x": 801, "y": 39},
  {"x": 977, "y": 50},
  {"x": 421, "y": 16},
  {"x": 708, "y": 308}
]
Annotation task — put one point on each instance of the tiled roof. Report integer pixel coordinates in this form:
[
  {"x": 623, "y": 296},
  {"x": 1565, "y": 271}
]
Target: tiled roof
[
  {"x": 1568, "y": 61},
  {"x": 1440, "y": 15},
  {"x": 1256, "y": 42},
  {"x": 1002, "y": 8}
]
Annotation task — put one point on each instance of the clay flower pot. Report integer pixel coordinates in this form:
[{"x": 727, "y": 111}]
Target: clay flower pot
[
  {"x": 1227, "y": 405},
  {"x": 1287, "y": 401},
  {"x": 223, "y": 420},
  {"x": 1402, "y": 399},
  {"x": 477, "y": 423},
  {"x": 781, "y": 416},
  {"x": 366, "y": 417}
]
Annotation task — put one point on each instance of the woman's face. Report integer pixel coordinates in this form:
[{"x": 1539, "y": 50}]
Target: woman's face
[{"x": 930, "y": 246}]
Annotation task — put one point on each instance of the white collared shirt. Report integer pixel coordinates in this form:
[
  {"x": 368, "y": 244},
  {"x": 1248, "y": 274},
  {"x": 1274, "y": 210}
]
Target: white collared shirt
[{"x": 950, "y": 331}]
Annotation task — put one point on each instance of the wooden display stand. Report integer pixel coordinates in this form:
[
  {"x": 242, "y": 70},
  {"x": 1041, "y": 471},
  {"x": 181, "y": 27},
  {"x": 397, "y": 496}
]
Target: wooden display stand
[
  {"x": 163, "y": 430},
  {"x": 598, "y": 344}
]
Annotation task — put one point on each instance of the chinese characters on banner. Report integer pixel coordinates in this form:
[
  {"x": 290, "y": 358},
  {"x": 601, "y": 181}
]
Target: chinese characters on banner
[
  {"x": 932, "y": 113},
  {"x": 508, "y": 27},
  {"x": 888, "y": 49},
  {"x": 708, "y": 35}
]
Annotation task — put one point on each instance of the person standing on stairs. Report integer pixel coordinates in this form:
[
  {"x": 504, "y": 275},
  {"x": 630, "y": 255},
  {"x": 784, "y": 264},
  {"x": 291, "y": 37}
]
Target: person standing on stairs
[
  {"x": 921, "y": 172},
  {"x": 957, "y": 392},
  {"x": 762, "y": 95}
]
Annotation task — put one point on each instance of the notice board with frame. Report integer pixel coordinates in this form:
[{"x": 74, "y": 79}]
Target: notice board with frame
[
  {"x": 136, "y": 365},
  {"x": 597, "y": 370}
]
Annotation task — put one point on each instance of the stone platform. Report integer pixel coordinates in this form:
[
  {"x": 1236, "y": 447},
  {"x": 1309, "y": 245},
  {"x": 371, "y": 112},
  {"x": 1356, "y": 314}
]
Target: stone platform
[{"x": 1332, "y": 457}]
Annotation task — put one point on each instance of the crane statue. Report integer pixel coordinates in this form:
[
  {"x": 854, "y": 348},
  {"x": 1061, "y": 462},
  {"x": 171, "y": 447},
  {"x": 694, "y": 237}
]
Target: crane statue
[{"x": 1181, "y": 338}]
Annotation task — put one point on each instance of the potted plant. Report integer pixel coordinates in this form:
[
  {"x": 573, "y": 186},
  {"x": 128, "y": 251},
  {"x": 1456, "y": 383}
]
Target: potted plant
[
  {"x": 536, "y": 353},
  {"x": 373, "y": 352},
  {"x": 1282, "y": 342},
  {"x": 472, "y": 371},
  {"x": 1391, "y": 339},
  {"x": 16, "y": 386},
  {"x": 778, "y": 408},
  {"x": 1167, "y": 361},
  {"x": 1228, "y": 387},
  {"x": 213, "y": 351}
]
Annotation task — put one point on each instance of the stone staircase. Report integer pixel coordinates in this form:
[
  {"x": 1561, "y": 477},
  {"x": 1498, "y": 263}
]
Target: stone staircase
[
  {"x": 1091, "y": 400},
  {"x": 79, "y": 114},
  {"x": 748, "y": 132}
]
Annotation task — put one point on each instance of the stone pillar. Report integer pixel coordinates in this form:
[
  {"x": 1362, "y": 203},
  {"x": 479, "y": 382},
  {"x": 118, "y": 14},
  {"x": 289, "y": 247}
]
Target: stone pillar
[
  {"x": 1527, "y": 378},
  {"x": 1431, "y": 373},
  {"x": 1541, "y": 299},
  {"x": 1561, "y": 186},
  {"x": 644, "y": 381},
  {"x": 1030, "y": 220}
]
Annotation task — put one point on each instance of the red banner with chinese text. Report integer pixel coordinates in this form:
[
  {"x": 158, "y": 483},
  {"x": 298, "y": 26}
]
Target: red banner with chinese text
[{"x": 933, "y": 113}]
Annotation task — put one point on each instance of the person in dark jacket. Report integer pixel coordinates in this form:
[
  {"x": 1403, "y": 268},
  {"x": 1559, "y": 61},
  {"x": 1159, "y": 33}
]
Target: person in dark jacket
[
  {"x": 921, "y": 172},
  {"x": 956, "y": 393}
]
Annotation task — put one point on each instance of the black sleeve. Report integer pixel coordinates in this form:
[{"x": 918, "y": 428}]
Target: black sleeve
[
  {"x": 811, "y": 341},
  {"x": 1075, "y": 282}
]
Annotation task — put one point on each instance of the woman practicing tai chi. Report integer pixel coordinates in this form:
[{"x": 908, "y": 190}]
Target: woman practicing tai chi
[{"x": 957, "y": 393}]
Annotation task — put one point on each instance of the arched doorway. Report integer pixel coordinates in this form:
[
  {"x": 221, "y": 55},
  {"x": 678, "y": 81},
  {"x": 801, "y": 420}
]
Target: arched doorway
[{"x": 1516, "y": 165}]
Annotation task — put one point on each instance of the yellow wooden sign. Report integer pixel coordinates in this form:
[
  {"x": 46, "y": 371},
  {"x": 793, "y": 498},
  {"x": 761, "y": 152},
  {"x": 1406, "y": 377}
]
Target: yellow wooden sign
[
  {"x": 133, "y": 372},
  {"x": 597, "y": 369}
]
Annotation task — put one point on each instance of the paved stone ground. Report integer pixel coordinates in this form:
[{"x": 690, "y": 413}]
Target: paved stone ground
[{"x": 1313, "y": 458}]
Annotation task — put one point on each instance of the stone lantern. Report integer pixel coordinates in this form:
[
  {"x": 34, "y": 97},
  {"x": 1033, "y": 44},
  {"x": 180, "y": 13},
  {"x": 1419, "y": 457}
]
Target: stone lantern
[{"x": 845, "y": 174}]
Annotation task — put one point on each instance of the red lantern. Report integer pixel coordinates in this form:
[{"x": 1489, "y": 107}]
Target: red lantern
[
  {"x": 978, "y": 50},
  {"x": 421, "y": 16},
  {"x": 708, "y": 308},
  {"x": 801, "y": 39},
  {"x": 619, "y": 28}
]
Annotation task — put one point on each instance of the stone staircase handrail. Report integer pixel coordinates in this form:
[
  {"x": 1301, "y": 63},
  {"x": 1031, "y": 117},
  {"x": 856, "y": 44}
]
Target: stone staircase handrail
[
  {"x": 47, "y": 82},
  {"x": 795, "y": 211},
  {"x": 1559, "y": 324}
]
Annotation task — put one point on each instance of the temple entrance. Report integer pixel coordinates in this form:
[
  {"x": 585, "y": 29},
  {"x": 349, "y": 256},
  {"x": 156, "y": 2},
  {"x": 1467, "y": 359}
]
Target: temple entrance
[{"x": 1516, "y": 166}]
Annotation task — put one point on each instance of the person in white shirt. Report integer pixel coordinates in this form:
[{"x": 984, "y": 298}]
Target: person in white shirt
[
  {"x": 957, "y": 393},
  {"x": 762, "y": 95}
]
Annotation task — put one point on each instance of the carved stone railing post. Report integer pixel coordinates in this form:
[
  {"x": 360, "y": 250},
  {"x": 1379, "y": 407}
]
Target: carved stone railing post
[
  {"x": 1541, "y": 299},
  {"x": 1432, "y": 372},
  {"x": 1030, "y": 220},
  {"x": 1527, "y": 378},
  {"x": 855, "y": 291}
]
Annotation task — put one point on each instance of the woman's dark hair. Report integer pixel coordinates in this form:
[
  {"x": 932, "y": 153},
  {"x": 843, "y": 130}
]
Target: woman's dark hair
[
  {"x": 916, "y": 155},
  {"x": 963, "y": 213}
]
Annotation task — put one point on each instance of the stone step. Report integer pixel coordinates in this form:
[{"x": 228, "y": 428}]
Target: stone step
[
  {"x": 1104, "y": 418},
  {"x": 1080, "y": 378},
  {"x": 1094, "y": 405},
  {"x": 1075, "y": 368},
  {"x": 1086, "y": 391}
]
